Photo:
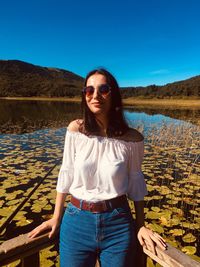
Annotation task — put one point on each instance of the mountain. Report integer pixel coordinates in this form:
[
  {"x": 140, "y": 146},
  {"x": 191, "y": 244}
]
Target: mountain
[
  {"x": 18, "y": 78},
  {"x": 189, "y": 88}
]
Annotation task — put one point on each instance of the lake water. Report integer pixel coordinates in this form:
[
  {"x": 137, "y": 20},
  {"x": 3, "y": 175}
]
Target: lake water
[{"x": 23, "y": 116}]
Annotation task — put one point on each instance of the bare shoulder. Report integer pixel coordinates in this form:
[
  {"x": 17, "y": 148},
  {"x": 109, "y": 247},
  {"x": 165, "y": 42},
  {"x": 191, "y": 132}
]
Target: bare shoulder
[
  {"x": 75, "y": 125},
  {"x": 133, "y": 135}
]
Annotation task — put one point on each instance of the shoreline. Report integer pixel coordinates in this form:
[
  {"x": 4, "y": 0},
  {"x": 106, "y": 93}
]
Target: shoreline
[
  {"x": 162, "y": 103},
  {"x": 181, "y": 103},
  {"x": 35, "y": 98}
]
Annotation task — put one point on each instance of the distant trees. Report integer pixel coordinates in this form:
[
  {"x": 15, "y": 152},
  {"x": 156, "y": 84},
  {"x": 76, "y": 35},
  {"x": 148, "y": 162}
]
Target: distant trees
[
  {"x": 183, "y": 89},
  {"x": 19, "y": 78}
]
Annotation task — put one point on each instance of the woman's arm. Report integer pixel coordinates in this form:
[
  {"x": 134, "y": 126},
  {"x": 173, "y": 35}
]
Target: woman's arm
[
  {"x": 59, "y": 206},
  {"x": 54, "y": 222},
  {"x": 139, "y": 213},
  {"x": 146, "y": 237},
  {"x": 139, "y": 220}
]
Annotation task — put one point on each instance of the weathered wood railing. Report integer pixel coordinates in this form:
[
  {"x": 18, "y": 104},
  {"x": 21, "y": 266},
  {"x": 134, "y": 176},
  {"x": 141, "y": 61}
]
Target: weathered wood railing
[{"x": 27, "y": 250}]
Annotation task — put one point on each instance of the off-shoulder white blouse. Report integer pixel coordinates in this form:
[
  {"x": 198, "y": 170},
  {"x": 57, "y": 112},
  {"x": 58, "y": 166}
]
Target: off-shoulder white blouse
[{"x": 96, "y": 168}]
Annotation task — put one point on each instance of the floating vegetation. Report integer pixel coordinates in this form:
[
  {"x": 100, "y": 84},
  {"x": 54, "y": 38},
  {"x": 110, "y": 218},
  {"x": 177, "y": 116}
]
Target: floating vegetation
[
  {"x": 171, "y": 168},
  {"x": 189, "y": 250},
  {"x": 49, "y": 257}
]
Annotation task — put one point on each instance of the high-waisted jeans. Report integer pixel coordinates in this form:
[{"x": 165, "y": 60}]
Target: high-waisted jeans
[{"x": 86, "y": 236}]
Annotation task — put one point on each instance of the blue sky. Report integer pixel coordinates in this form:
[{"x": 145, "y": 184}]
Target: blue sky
[{"x": 141, "y": 42}]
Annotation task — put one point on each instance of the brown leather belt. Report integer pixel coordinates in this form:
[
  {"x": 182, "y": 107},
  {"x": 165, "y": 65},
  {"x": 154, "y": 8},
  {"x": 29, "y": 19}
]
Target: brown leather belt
[{"x": 100, "y": 206}]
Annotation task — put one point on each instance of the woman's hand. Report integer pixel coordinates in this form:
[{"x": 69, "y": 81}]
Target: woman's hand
[
  {"x": 148, "y": 239},
  {"x": 52, "y": 224}
]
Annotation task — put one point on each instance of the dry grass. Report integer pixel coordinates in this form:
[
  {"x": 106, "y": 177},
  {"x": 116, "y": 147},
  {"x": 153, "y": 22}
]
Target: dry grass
[
  {"x": 171, "y": 167},
  {"x": 180, "y": 103},
  {"x": 61, "y": 99}
]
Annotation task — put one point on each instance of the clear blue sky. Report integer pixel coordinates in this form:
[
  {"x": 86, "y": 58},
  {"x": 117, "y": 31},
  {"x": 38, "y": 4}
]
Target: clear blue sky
[{"x": 141, "y": 42}]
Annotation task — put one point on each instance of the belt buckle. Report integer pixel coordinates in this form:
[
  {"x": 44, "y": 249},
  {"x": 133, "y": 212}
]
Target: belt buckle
[{"x": 91, "y": 206}]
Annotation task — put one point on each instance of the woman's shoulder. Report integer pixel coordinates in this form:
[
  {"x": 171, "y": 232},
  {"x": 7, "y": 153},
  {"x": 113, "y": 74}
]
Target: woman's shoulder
[
  {"x": 74, "y": 125},
  {"x": 133, "y": 135}
]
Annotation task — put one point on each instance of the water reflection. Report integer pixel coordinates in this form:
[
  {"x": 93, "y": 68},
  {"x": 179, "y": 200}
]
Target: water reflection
[
  {"x": 144, "y": 122},
  {"x": 27, "y": 116},
  {"x": 189, "y": 115}
]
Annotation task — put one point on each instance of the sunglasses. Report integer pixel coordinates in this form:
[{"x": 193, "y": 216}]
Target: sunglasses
[{"x": 103, "y": 90}]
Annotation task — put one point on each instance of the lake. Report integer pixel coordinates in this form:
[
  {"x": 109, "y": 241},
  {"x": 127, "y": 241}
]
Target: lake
[
  {"x": 26, "y": 116},
  {"x": 31, "y": 142}
]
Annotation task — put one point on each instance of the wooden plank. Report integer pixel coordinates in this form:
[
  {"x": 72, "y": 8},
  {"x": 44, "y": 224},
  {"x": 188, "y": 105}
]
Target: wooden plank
[
  {"x": 172, "y": 257},
  {"x": 156, "y": 258},
  {"x": 22, "y": 246}
]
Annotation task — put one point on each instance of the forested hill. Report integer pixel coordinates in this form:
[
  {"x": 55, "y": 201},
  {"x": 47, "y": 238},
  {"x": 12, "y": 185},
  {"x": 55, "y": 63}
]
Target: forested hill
[
  {"x": 182, "y": 89},
  {"x": 18, "y": 78}
]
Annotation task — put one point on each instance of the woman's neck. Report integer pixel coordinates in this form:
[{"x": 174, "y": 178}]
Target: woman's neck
[{"x": 102, "y": 121}]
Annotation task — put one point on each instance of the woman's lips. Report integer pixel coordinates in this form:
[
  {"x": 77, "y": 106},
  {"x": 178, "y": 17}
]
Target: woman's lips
[{"x": 97, "y": 104}]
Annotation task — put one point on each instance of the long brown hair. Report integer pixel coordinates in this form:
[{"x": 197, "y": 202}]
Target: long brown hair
[{"x": 117, "y": 125}]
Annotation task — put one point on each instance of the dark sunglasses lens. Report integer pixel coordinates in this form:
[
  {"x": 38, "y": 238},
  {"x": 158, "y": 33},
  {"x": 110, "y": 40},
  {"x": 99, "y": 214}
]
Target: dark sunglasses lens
[
  {"x": 104, "y": 89},
  {"x": 89, "y": 90}
]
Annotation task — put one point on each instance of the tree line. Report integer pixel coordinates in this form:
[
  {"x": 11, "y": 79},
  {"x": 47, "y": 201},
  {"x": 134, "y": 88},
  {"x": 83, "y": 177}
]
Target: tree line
[{"x": 18, "y": 78}]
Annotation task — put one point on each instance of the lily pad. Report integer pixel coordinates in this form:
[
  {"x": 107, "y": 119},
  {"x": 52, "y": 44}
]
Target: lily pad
[
  {"x": 177, "y": 232},
  {"x": 190, "y": 250},
  {"x": 156, "y": 209},
  {"x": 156, "y": 228},
  {"x": 189, "y": 238},
  {"x": 152, "y": 215}
]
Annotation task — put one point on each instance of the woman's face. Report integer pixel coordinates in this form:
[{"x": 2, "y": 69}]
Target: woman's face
[{"x": 98, "y": 103}]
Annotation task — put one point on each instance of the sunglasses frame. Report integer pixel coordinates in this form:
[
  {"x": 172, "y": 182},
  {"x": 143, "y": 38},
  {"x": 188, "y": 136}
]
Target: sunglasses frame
[{"x": 99, "y": 90}]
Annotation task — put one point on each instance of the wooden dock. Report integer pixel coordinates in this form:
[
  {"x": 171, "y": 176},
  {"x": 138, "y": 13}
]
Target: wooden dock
[{"x": 26, "y": 249}]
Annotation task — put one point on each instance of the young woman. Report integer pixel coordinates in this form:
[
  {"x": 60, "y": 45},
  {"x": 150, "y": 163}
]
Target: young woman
[{"x": 101, "y": 168}]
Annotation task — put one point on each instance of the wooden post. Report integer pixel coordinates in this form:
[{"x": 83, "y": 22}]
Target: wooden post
[{"x": 31, "y": 261}]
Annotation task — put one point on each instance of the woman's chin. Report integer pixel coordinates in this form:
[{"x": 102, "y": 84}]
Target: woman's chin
[{"x": 97, "y": 111}]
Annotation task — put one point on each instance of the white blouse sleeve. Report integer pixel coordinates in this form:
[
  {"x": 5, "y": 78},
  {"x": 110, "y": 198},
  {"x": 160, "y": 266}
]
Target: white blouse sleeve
[
  {"x": 136, "y": 184},
  {"x": 66, "y": 173}
]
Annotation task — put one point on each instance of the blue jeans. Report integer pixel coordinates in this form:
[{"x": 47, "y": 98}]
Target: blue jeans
[{"x": 86, "y": 236}]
